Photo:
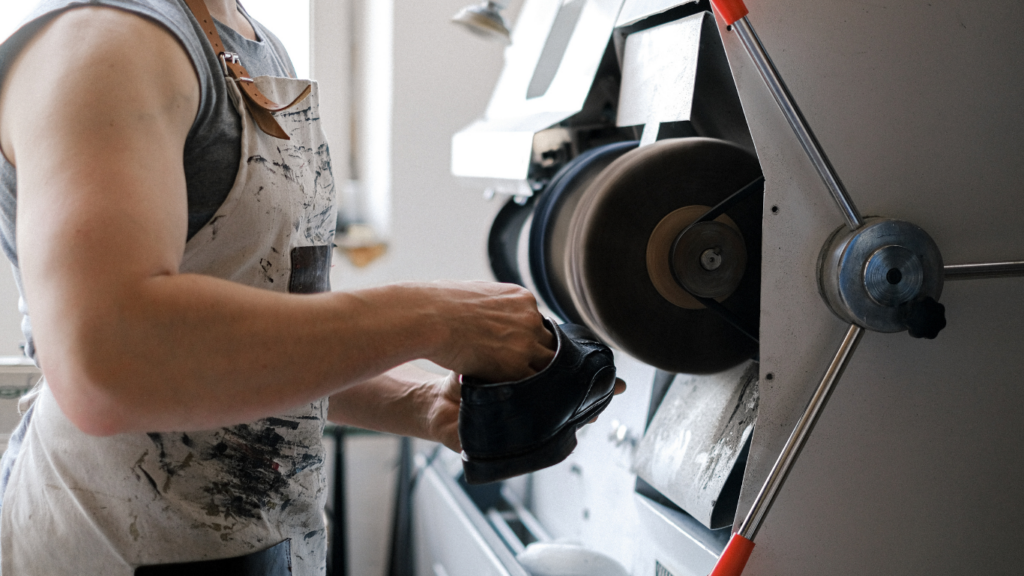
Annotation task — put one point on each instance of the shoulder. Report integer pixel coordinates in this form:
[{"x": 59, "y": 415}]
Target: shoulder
[
  {"x": 100, "y": 34},
  {"x": 93, "y": 60},
  {"x": 173, "y": 15}
]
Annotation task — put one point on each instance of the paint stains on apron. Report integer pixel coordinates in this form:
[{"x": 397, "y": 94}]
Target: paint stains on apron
[{"x": 146, "y": 499}]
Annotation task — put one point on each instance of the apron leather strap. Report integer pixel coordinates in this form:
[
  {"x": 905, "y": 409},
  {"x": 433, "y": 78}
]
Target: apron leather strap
[{"x": 260, "y": 107}]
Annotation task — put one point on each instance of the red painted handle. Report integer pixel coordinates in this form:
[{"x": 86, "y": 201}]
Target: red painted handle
[
  {"x": 734, "y": 557},
  {"x": 731, "y": 10}
]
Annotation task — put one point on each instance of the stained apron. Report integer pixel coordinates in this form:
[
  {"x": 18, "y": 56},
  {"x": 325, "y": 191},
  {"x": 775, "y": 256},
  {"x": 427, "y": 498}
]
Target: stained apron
[{"x": 79, "y": 504}]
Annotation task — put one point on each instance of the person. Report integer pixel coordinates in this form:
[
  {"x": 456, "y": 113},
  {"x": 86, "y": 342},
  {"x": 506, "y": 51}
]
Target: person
[{"x": 173, "y": 250}]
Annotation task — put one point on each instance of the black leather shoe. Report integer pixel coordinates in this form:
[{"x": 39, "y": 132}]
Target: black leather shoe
[{"x": 511, "y": 428}]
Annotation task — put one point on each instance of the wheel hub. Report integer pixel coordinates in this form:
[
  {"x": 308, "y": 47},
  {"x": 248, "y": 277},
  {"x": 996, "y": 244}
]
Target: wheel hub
[{"x": 870, "y": 275}]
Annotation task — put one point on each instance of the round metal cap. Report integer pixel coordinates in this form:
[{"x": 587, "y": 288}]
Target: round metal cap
[
  {"x": 893, "y": 275},
  {"x": 867, "y": 275},
  {"x": 659, "y": 254},
  {"x": 708, "y": 259}
]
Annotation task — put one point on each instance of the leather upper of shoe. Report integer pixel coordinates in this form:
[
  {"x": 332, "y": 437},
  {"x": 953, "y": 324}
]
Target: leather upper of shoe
[{"x": 509, "y": 418}]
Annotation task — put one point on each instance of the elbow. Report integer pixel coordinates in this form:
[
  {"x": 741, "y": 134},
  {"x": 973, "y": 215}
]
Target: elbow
[
  {"x": 94, "y": 423},
  {"x": 89, "y": 406},
  {"x": 91, "y": 388}
]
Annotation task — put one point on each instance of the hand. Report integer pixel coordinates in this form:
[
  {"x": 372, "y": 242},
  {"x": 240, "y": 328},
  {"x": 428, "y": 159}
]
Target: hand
[
  {"x": 620, "y": 387},
  {"x": 444, "y": 413},
  {"x": 443, "y": 416},
  {"x": 494, "y": 332}
]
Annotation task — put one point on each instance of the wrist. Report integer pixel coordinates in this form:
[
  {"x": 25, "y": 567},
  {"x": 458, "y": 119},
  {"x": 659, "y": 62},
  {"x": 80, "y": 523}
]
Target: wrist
[
  {"x": 443, "y": 415},
  {"x": 429, "y": 324}
]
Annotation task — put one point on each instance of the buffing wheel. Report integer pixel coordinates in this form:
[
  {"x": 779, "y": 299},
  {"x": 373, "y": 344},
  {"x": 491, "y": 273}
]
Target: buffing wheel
[
  {"x": 550, "y": 229},
  {"x": 503, "y": 240},
  {"x": 609, "y": 242}
]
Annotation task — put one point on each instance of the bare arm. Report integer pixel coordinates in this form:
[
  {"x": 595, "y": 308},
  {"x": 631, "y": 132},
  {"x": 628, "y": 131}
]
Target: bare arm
[
  {"x": 407, "y": 401},
  {"x": 94, "y": 115}
]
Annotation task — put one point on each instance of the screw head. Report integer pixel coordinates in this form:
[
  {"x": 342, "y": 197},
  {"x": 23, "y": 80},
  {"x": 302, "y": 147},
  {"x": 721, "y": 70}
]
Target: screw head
[{"x": 711, "y": 259}]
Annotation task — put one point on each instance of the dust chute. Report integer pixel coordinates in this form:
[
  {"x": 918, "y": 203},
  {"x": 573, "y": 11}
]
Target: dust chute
[{"x": 694, "y": 450}]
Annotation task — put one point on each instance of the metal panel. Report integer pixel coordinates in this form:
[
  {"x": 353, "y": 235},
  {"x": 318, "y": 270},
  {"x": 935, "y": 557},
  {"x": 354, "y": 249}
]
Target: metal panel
[
  {"x": 559, "y": 67},
  {"x": 590, "y": 497},
  {"x": 914, "y": 465},
  {"x": 659, "y": 70},
  {"x": 695, "y": 439},
  {"x": 452, "y": 536},
  {"x": 582, "y": 55},
  {"x": 677, "y": 541},
  {"x": 634, "y": 11},
  {"x": 678, "y": 72},
  {"x": 481, "y": 152}
]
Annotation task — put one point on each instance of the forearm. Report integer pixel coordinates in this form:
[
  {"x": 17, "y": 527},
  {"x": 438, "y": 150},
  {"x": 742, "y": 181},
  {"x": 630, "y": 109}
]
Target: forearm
[
  {"x": 182, "y": 352},
  {"x": 400, "y": 401}
]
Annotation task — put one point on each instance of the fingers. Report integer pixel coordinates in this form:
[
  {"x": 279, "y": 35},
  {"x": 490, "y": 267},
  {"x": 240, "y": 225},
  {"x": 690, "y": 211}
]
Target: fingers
[
  {"x": 451, "y": 440},
  {"x": 451, "y": 387},
  {"x": 541, "y": 359},
  {"x": 498, "y": 334},
  {"x": 620, "y": 387},
  {"x": 547, "y": 338},
  {"x": 443, "y": 416}
]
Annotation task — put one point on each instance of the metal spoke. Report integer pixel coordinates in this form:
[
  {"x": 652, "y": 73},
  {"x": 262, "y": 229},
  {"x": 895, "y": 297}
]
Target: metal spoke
[
  {"x": 797, "y": 122},
  {"x": 985, "y": 270},
  {"x": 798, "y": 438}
]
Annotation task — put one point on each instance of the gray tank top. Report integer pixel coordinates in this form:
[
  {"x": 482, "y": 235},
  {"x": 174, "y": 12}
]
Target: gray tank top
[{"x": 212, "y": 150}]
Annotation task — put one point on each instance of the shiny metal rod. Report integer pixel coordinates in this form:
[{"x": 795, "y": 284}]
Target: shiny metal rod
[
  {"x": 796, "y": 440},
  {"x": 980, "y": 271},
  {"x": 797, "y": 121}
]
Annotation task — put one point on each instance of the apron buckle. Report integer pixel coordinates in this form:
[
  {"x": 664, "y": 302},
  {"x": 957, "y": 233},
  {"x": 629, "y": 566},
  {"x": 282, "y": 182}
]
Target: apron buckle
[{"x": 226, "y": 57}]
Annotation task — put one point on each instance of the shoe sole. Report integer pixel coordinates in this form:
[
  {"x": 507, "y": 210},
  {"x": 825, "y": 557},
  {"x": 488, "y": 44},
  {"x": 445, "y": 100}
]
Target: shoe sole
[{"x": 551, "y": 452}]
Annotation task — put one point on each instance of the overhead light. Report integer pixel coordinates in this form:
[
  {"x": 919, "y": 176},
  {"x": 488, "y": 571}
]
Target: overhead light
[{"x": 485, "y": 20}]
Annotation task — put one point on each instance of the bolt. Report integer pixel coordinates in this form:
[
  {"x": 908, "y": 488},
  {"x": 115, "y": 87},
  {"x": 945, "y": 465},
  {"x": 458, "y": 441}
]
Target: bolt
[{"x": 711, "y": 259}]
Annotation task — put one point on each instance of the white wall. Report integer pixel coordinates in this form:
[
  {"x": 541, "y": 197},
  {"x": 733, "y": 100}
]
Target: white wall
[
  {"x": 442, "y": 79},
  {"x": 12, "y": 12},
  {"x": 10, "y": 319}
]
